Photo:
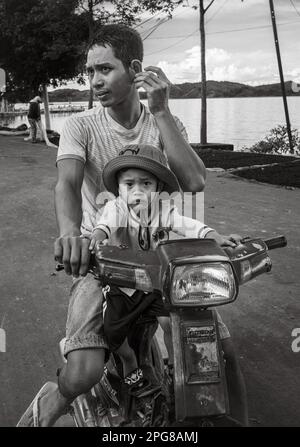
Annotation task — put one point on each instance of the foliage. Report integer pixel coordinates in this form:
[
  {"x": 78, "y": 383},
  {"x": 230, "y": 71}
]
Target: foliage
[
  {"x": 277, "y": 142},
  {"x": 41, "y": 41},
  {"x": 44, "y": 41}
]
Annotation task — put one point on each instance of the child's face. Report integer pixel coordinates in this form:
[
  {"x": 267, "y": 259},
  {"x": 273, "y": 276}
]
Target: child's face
[{"x": 136, "y": 186}]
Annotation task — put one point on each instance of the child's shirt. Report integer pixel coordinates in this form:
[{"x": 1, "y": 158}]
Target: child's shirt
[{"x": 123, "y": 227}]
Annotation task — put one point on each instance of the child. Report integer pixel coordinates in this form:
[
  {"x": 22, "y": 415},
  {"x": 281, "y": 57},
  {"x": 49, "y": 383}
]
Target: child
[{"x": 135, "y": 218}]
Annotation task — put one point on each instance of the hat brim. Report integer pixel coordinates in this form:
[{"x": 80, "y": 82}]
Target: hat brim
[{"x": 163, "y": 173}]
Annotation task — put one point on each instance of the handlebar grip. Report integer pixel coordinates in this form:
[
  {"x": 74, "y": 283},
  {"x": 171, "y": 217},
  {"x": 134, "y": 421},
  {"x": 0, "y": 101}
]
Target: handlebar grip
[{"x": 276, "y": 242}]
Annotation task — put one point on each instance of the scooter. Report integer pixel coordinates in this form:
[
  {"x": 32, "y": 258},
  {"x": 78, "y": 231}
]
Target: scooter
[{"x": 194, "y": 276}]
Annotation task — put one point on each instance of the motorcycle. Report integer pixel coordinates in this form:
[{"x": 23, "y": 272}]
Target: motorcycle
[{"x": 194, "y": 276}]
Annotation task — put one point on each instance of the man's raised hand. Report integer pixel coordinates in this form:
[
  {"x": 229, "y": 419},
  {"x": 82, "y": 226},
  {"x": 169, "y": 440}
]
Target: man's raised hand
[{"x": 156, "y": 85}]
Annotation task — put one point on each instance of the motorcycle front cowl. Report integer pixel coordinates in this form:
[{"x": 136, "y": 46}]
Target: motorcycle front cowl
[{"x": 196, "y": 273}]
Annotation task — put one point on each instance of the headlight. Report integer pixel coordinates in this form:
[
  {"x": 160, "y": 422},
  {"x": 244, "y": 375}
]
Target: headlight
[{"x": 207, "y": 284}]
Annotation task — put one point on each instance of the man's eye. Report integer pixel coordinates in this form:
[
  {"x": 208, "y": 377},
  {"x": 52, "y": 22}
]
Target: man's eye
[
  {"x": 90, "y": 71},
  {"x": 105, "y": 69},
  {"x": 129, "y": 184}
]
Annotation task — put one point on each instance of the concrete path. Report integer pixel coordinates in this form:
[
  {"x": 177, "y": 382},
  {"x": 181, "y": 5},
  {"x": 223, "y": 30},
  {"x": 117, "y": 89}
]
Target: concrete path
[{"x": 34, "y": 299}]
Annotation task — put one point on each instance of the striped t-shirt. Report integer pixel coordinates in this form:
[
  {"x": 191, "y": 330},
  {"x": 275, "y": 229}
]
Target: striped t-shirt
[{"x": 94, "y": 138}]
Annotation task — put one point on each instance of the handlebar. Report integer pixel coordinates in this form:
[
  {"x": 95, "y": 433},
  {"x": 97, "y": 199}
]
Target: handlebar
[{"x": 276, "y": 242}]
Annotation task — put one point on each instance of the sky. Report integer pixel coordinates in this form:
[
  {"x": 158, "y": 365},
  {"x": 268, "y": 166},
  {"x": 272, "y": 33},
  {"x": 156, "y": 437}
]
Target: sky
[{"x": 239, "y": 42}]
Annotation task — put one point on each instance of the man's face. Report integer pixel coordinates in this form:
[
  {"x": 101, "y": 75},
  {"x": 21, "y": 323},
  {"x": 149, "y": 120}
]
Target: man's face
[
  {"x": 137, "y": 187},
  {"x": 111, "y": 82}
]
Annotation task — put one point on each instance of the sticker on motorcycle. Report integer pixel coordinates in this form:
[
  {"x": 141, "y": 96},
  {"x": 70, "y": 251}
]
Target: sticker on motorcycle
[{"x": 201, "y": 354}]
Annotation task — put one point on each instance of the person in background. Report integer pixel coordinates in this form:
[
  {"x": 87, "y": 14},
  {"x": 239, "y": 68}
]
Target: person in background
[{"x": 34, "y": 117}]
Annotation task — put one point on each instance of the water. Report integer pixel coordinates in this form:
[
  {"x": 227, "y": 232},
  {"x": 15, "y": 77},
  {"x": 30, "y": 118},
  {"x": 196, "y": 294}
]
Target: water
[{"x": 237, "y": 121}]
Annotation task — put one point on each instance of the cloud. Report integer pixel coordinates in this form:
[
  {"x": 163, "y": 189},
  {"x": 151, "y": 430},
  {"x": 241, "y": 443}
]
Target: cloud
[{"x": 254, "y": 68}]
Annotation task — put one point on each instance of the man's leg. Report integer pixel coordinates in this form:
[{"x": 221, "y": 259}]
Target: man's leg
[
  {"x": 85, "y": 348},
  {"x": 236, "y": 384},
  {"x": 82, "y": 371},
  {"x": 33, "y": 129}
]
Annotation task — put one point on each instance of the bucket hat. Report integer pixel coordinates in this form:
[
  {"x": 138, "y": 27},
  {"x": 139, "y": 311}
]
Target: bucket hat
[{"x": 140, "y": 156}]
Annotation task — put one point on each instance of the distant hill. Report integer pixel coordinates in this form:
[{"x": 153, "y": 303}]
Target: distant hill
[{"x": 215, "y": 89}]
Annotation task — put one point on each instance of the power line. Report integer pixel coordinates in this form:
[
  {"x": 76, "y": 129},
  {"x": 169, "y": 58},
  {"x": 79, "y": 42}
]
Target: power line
[
  {"x": 295, "y": 8},
  {"x": 216, "y": 32},
  {"x": 173, "y": 45},
  {"x": 251, "y": 28},
  {"x": 146, "y": 20},
  {"x": 155, "y": 27},
  {"x": 217, "y": 12}
]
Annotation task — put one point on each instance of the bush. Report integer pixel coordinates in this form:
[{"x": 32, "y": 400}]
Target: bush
[{"x": 277, "y": 142}]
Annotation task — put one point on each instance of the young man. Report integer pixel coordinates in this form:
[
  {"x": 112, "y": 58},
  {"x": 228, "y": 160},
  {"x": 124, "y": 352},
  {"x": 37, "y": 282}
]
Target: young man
[{"x": 87, "y": 143}]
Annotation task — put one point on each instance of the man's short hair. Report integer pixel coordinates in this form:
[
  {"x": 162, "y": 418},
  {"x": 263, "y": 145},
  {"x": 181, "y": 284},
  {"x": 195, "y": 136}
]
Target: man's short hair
[{"x": 125, "y": 42}]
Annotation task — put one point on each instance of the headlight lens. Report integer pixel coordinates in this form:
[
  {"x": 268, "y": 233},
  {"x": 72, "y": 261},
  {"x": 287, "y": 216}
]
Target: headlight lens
[{"x": 207, "y": 284}]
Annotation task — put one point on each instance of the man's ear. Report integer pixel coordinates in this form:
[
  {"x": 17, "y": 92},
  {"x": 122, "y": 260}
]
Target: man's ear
[{"x": 136, "y": 65}]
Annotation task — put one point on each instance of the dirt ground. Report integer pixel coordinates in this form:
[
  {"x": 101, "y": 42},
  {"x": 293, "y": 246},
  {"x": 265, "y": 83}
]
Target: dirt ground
[{"x": 34, "y": 299}]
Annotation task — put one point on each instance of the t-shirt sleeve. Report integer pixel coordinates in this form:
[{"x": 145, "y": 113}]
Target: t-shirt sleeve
[
  {"x": 186, "y": 226},
  {"x": 73, "y": 140},
  {"x": 111, "y": 217}
]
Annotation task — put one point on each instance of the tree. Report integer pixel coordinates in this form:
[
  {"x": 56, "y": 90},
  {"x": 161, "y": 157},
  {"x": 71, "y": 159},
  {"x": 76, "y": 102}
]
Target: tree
[{"x": 41, "y": 43}]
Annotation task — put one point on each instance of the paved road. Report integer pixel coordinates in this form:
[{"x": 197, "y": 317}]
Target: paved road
[{"x": 34, "y": 301}]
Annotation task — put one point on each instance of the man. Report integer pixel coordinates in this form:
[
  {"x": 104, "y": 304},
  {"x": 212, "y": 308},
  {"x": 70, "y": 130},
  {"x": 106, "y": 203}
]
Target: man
[
  {"x": 34, "y": 117},
  {"x": 87, "y": 143}
]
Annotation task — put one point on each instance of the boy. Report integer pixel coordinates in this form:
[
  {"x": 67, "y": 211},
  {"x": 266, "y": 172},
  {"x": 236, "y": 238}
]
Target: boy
[{"x": 135, "y": 218}]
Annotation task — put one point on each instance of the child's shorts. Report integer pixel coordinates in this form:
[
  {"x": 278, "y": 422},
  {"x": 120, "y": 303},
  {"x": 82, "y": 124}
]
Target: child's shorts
[{"x": 123, "y": 310}]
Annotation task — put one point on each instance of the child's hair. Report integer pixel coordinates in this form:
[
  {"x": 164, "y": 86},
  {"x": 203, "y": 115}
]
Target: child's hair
[{"x": 125, "y": 42}]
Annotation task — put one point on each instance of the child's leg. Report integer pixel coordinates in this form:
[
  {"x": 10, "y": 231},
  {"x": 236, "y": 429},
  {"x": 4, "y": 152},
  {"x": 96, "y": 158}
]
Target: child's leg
[
  {"x": 128, "y": 358},
  {"x": 165, "y": 324}
]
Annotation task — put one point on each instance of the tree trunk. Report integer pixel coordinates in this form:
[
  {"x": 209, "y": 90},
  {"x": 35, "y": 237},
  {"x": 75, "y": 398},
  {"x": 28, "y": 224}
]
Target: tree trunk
[
  {"x": 203, "y": 129},
  {"x": 46, "y": 107},
  {"x": 91, "y": 35}
]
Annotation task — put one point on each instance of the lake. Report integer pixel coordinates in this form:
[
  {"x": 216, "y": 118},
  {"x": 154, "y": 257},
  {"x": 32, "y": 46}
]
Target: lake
[{"x": 237, "y": 121}]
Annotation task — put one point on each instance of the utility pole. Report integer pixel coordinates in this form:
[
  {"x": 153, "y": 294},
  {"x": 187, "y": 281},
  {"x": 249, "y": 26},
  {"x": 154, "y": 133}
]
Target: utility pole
[{"x": 287, "y": 118}]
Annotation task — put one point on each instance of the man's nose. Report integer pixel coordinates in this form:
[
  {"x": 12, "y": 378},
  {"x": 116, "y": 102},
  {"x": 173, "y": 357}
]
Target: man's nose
[{"x": 97, "y": 80}]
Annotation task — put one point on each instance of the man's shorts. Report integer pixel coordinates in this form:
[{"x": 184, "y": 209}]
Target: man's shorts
[{"x": 85, "y": 328}]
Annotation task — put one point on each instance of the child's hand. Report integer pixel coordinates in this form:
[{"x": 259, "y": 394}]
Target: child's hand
[
  {"x": 97, "y": 238},
  {"x": 225, "y": 241}
]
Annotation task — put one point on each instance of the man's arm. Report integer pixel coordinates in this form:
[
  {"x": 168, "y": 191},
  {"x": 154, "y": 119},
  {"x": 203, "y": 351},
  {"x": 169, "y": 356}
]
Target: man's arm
[
  {"x": 184, "y": 162},
  {"x": 69, "y": 247}
]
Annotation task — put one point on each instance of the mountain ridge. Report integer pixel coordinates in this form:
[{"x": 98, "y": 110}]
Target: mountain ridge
[{"x": 215, "y": 89}]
